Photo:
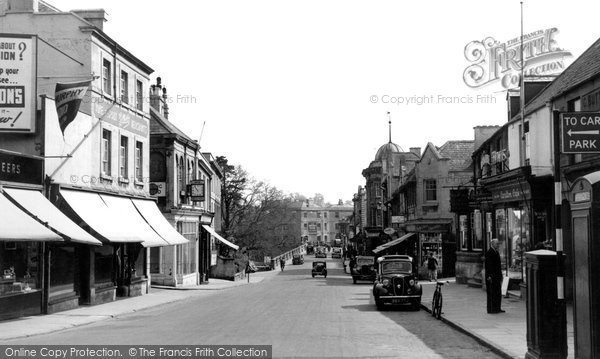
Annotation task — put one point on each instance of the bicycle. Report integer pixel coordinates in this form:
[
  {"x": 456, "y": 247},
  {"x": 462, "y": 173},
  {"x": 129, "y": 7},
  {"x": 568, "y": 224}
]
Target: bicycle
[{"x": 437, "y": 301}]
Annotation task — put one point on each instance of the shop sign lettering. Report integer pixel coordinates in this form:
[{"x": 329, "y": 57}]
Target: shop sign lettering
[{"x": 21, "y": 169}]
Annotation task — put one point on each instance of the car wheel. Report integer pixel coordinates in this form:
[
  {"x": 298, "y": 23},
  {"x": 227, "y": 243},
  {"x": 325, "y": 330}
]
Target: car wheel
[{"x": 378, "y": 303}]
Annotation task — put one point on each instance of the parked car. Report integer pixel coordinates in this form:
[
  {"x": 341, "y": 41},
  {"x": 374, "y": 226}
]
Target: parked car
[
  {"x": 320, "y": 252},
  {"x": 396, "y": 282},
  {"x": 363, "y": 268},
  {"x": 298, "y": 259},
  {"x": 319, "y": 268},
  {"x": 336, "y": 252}
]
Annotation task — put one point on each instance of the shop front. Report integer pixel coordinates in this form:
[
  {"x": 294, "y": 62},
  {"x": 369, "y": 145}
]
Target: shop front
[
  {"x": 434, "y": 236},
  {"x": 120, "y": 266},
  {"x": 519, "y": 217}
]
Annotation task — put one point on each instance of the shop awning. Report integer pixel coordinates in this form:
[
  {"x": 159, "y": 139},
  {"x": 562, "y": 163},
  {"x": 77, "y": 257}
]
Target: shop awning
[
  {"x": 38, "y": 206},
  {"x": 18, "y": 226},
  {"x": 124, "y": 208},
  {"x": 223, "y": 240},
  {"x": 156, "y": 220},
  {"x": 392, "y": 243},
  {"x": 106, "y": 222}
]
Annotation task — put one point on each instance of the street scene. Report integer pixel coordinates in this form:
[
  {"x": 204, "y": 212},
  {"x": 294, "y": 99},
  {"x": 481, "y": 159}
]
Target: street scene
[{"x": 269, "y": 179}]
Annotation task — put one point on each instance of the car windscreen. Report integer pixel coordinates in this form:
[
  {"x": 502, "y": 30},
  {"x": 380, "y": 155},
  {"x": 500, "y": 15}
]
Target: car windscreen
[{"x": 396, "y": 266}]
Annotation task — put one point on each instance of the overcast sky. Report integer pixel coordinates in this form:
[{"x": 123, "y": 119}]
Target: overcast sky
[{"x": 287, "y": 88}]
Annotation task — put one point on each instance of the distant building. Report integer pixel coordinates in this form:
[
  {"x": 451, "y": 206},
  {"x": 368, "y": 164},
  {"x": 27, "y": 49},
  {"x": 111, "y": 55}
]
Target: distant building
[{"x": 323, "y": 224}]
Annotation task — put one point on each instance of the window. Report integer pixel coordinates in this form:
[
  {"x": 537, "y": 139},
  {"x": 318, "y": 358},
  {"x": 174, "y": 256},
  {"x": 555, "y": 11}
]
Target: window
[
  {"x": 124, "y": 87},
  {"x": 325, "y": 224},
  {"x": 318, "y": 214},
  {"x": 305, "y": 214},
  {"x": 186, "y": 253},
  {"x": 106, "y": 145},
  {"x": 106, "y": 85},
  {"x": 430, "y": 189},
  {"x": 180, "y": 179},
  {"x": 325, "y": 214},
  {"x": 477, "y": 233},
  {"x": 527, "y": 142},
  {"x": 462, "y": 220},
  {"x": 123, "y": 160},
  {"x": 337, "y": 214},
  {"x": 319, "y": 226},
  {"x": 139, "y": 161},
  {"x": 574, "y": 105},
  {"x": 305, "y": 225},
  {"x": 139, "y": 95}
]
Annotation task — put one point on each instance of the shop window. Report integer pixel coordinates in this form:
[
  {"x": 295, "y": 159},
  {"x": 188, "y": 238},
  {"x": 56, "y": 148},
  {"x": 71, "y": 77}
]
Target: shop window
[
  {"x": 62, "y": 264},
  {"x": 305, "y": 225},
  {"x": 103, "y": 264},
  {"x": 430, "y": 190},
  {"x": 462, "y": 220},
  {"x": 477, "y": 230},
  {"x": 501, "y": 235},
  {"x": 186, "y": 253},
  {"x": 19, "y": 263},
  {"x": 155, "y": 260}
]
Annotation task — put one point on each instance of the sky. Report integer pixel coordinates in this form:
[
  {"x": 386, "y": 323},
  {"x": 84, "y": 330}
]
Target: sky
[{"x": 297, "y": 92}]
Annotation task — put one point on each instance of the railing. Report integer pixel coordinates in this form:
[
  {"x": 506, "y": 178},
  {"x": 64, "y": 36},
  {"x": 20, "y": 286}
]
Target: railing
[{"x": 287, "y": 255}]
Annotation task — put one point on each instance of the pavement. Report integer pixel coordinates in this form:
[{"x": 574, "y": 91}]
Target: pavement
[
  {"x": 159, "y": 295},
  {"x": 464, "y": 308}
]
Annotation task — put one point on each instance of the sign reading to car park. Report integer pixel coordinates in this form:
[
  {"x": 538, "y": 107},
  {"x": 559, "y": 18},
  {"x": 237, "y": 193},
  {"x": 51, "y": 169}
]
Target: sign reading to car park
[
  {"x": 18, "y": 80},
  {"x": 580, "y": 132}
]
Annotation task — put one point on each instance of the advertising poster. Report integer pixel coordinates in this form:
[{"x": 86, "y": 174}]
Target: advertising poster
[{"x": 18, "y": 76}]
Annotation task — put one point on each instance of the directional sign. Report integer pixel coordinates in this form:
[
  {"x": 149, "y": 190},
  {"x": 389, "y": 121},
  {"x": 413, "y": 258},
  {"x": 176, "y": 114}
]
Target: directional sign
[{"x": 580, "y": 132}]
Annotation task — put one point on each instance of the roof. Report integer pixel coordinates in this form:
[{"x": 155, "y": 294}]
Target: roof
[
  {"x": 168, "y": 126},
  {"x": 459, "y": 153},
  {"x": 386, "y": 149},
  {"x": 582, "y": 69}
]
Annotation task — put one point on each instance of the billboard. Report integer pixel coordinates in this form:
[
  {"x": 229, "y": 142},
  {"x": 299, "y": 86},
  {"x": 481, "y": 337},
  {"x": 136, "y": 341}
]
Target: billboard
[{"x": 18, "y": 80}]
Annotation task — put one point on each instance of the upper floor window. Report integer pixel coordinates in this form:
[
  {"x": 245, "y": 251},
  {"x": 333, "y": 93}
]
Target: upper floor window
[
  {"x": 123, "y": 157},
  {"x": 337, "y": 214},
  {"x": 124, "y": 87},
  {"x": 574, "y": 105},
  {"x": 430, "y": 190},
  {"x": 139, "y": 95},
  {"x": 318, "y": 214},
  {"x": 180, "y": 178},
  {"x": 325, "y": 214},
  {"x": 305, "y": 214},
  {"x": 139, "y": 151},
  {"x": 106, "y": 73},
  {"x": 106, "y": 146}
]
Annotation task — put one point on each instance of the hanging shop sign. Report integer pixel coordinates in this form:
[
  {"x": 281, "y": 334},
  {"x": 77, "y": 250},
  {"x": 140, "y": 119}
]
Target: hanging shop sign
[
  {"x": 21, "y": 169},
  {"x": 158, "y": 189},
  {"x": 18, "y": 79}
]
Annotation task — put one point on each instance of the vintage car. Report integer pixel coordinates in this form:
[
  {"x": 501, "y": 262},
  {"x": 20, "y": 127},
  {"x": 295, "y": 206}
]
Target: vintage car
[
  {"x": 363, "y": 268},
  {"x": 336, "y": 252},
  {"x": 298, "y": 259},
  {"x": 396, "y": 282},
  {"x": 320, "y": 252},
  {"x": 319, "y": 268}
]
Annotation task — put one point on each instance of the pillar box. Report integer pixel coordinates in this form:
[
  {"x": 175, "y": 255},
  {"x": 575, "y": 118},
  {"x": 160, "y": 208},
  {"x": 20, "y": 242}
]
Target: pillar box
[{"x": 546, "y": 321}]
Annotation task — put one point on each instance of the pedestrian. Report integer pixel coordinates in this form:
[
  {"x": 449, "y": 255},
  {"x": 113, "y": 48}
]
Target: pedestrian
[
  {"x": 282, "y": 263},
  {"x": 493, "y": 277},
  {"x": 432, "y": 265}
]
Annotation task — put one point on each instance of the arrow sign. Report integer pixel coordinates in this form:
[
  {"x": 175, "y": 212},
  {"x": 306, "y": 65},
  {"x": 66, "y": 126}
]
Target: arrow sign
[
  {"x": 580, "y": 132},
  {"x": 590, "y": 132}
]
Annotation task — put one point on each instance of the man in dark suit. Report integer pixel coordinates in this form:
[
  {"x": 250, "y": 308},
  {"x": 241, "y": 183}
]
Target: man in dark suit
[{"x": 493, "y": 276}]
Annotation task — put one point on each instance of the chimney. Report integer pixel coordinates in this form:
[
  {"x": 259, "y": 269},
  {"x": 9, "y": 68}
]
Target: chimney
[
  {"x": 482, "y": 133},
  {"x": 165, "y": 105},
  {"x": 22, "y": 6},
  {"x": 416, "y": 151},
  {"x": 96, "y": 17},
  {"x": 156, "y": 101}
]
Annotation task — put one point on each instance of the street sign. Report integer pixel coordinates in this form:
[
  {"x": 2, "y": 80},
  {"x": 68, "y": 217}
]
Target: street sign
[{"x": 580, "y": 132}]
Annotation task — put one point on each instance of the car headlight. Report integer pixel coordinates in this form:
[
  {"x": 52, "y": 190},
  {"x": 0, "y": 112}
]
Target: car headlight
[
  {"x": 385, "y": 282},
  {"x": 411, "y": 282}
]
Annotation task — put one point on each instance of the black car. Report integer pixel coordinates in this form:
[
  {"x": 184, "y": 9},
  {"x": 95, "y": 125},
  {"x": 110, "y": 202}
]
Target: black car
[
  {"x": 319, "y": 268},
  {"x": 298, "y": 259},
  {"x": 397, "y": 283},
  {"x": 363, "y": 268}
]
